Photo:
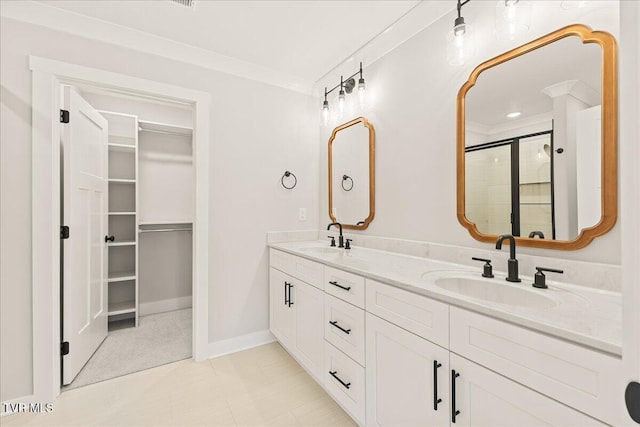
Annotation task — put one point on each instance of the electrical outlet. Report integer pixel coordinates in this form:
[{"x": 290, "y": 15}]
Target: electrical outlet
[{"x": 302, "y": 214}]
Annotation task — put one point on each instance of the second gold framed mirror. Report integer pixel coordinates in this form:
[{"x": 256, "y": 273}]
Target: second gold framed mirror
[{"x": 536, "y": 142}]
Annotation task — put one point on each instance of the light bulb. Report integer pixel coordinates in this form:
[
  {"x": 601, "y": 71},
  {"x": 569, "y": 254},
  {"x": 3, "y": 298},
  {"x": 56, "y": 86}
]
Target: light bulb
[
  {"x": 325, "y": 112},
  {"x": 512, "y": 18},
  {"x": 460, "y": 43},
  {"x": 341, "y": 101},
  {"x": 573, "y": 4},
  {"x": 361, "y": 92}
]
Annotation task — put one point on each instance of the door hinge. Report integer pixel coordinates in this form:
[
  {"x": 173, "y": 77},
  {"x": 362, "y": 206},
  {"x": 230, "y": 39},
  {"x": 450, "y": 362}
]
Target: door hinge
[
  {"x": 64, "y": 116},
  {"x": 64, "y": 231},
  {"x": 64, "y": 348}
]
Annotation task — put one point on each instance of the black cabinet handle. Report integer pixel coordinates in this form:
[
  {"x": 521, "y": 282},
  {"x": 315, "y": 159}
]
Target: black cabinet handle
[
  {"x": 346, "y": 288},
  {"x": 454, "y": 411},
  {"x": 109, "y": 239},
  {"x": 335, "y": 323},
  {"x": 334, "y": 375},
  {"x": 286, "y": 297},
  {"x": 290, "y": 300},
  {"x": 436, "y": 400}
]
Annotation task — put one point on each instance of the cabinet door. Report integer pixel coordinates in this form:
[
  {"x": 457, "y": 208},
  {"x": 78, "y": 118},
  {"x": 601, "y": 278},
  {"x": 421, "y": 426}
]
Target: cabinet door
[
  {"x": 280, "y": 312},
  {"x": 485, "y": 398},
  {"x": 308, "y": 326},
  {"x": 402, "y": 385}
]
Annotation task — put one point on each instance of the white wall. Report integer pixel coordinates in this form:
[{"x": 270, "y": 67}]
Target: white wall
[
  {"x": 412, "y": 94},
  {"x": 257, "y": 132}
]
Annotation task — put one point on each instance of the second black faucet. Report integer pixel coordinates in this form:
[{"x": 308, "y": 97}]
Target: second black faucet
[{"x": 512, "y": 263}]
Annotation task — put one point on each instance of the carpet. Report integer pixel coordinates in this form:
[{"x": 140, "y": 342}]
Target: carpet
[{"x": 159, "y": 339}]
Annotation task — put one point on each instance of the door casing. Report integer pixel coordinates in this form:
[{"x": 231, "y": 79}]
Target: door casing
[{"x": 47, "y": 77}]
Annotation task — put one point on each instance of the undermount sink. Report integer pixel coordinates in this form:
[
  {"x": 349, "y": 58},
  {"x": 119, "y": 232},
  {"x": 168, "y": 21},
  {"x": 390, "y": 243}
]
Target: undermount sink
[
  {"x": 321, "y": 250},
  {"x": 493, "y": 291}
]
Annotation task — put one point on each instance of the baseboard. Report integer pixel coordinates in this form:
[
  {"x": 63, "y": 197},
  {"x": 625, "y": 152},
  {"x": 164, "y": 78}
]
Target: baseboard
[
  {"x": 163, "y": 306},
  {"x": 243, "y": 342}
]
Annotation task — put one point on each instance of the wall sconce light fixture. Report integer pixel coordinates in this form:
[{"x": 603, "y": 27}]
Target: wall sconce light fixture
[
  {"x": 513, "y": 17},
  {"x": 460, "y": 40},
  {"x": 346, "y": 86}
]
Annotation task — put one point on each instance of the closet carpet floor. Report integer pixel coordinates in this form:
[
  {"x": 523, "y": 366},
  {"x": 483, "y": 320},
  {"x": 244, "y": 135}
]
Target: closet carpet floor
[
  {"x": 159, "y": 339},
  {"x": 263, "y": 386}
]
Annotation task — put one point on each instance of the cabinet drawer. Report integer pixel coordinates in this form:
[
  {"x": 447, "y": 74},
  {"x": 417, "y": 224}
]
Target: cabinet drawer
[
  {"x": 301, "y": 268},
  {"x": 346, "y": 286},
  {"x": 422, "y": 316},
  {"x": 581, "y": 378},
  {"x": 486, "y": 399},
  {"x": 344, "y": 381},
  {"x": 344, "y": 327}
]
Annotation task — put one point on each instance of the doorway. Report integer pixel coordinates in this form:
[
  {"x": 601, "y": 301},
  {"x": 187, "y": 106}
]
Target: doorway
[
  {"x": 47, "y": 77},
  {"x": 137, "y": 276}
]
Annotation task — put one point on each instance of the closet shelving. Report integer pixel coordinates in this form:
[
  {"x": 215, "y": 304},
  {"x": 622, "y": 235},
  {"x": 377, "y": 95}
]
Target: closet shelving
[
  {"x": 123, "y": 217},
  {"x": 150, "y": 184}
]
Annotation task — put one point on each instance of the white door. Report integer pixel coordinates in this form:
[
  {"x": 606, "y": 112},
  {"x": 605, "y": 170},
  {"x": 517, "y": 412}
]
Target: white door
[
  {"x": 484, "y": 398},
  {"x": 280, "y": 310},
  {"x": 85, "y": 205},
  {"x": 407, "y": 378},
  {"x": 308, "y": 326}
]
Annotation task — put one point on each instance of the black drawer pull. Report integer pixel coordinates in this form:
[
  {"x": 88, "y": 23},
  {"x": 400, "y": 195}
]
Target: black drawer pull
[
  {"x": 346, "y": 288},
  {"x": 454, "y": 411},
  {"x": 286, "y": 288},
  {"x": 333, "y": 374},
  {"x": 436, "y": 400},
  {"x": 335, "y": 323},
  {"x": 290, "y": 300}
]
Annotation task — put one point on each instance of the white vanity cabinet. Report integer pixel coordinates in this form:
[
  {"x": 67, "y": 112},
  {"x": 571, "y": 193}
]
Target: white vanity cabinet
[
  {"x": 391, "y": 357},
  {"x": 296, "y": 319},
  {"x": 407, "y": 378}
]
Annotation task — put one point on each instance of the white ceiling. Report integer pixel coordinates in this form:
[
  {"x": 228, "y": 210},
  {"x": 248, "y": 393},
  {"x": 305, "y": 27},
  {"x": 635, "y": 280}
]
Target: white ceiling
[{"x": 305, "y": 39}]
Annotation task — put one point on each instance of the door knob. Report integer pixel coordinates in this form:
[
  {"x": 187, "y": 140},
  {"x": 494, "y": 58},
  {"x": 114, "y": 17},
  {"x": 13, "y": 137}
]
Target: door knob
[{"x": 109, "y": 239}]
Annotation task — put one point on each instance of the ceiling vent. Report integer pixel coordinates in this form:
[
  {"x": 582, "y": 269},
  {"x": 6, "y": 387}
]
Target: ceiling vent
[{"x": 186, "y": 3}]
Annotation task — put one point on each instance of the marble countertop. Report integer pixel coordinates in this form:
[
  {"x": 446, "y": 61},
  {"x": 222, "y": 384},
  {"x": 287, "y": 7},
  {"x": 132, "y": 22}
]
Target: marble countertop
[{"x": 586, "y": 316}]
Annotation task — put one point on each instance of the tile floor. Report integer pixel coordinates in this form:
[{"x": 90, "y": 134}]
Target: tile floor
[{"x": 263, "y": 386}]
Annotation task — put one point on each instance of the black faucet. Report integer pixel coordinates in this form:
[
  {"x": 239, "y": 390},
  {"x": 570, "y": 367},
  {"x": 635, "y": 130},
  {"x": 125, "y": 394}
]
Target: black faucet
[
  {"x": 512, "y": 263},
  {"x": 340, "y": 238}
]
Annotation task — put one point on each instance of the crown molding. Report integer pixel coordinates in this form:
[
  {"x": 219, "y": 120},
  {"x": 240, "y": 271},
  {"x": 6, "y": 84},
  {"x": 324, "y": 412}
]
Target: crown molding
[
  {"x": 76, "y": 24},
  {"x": 576, "y": 88}
]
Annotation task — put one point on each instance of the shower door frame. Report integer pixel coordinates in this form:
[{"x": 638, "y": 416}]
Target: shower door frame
[{"x": 514, "y": 144}]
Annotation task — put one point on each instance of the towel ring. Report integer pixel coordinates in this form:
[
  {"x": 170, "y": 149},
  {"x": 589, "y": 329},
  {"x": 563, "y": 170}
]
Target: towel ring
[
  {"x": 345, "y": 178},
  {"x": 287, "y": 174}
]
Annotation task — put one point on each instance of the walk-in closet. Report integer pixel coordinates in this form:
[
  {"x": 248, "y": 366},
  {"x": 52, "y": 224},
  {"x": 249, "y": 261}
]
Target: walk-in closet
[{"x": 149, "y": 241}]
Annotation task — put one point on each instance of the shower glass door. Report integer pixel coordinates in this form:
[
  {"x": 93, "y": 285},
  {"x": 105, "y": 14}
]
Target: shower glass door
[{"x": 534, "y": 189}]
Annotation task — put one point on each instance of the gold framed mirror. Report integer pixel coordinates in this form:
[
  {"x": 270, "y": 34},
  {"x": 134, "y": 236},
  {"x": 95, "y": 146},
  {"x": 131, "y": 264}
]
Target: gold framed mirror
[
  {"x": 550, "y": 177},
  {"x": 351, "y": 165}
]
